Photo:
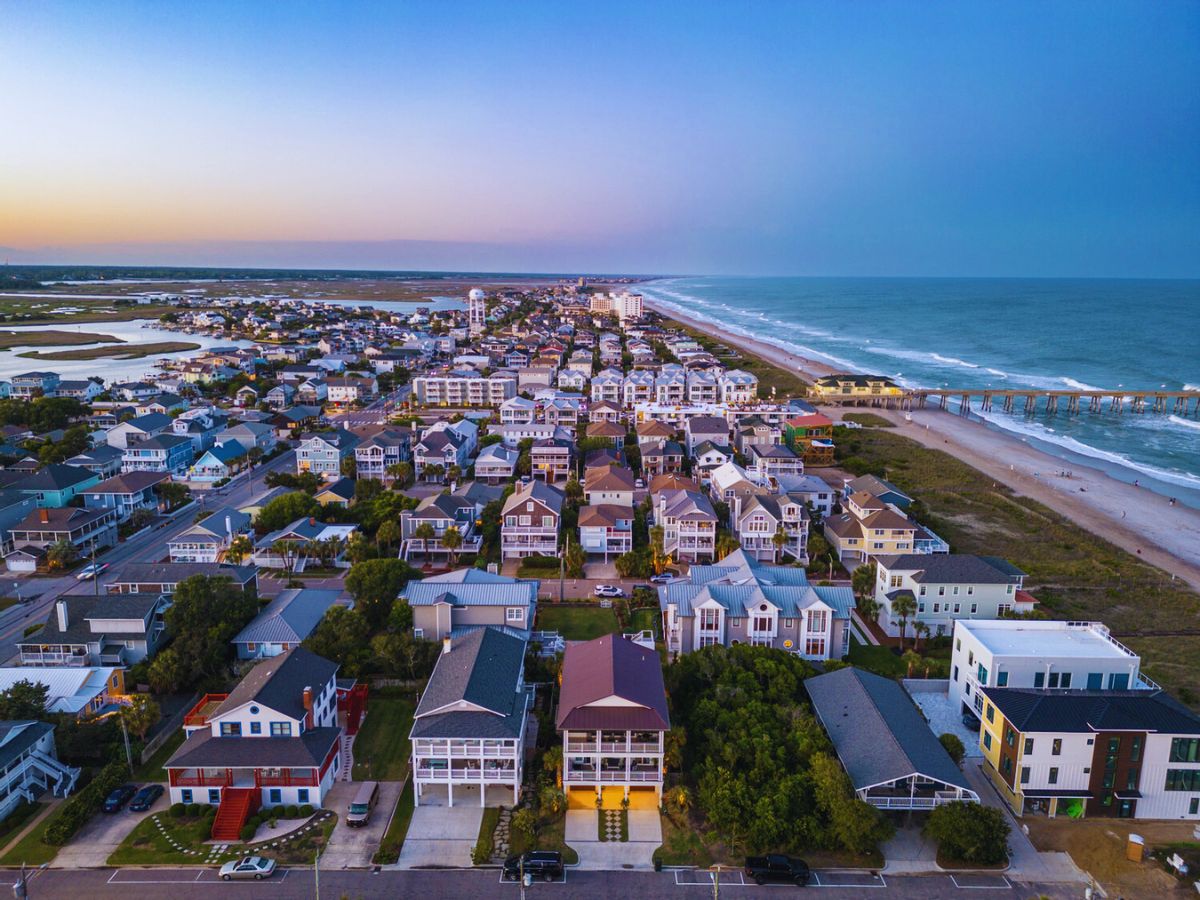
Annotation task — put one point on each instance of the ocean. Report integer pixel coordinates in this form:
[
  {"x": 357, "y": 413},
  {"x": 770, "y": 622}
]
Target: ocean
[{"x": 1003, "y": 333}]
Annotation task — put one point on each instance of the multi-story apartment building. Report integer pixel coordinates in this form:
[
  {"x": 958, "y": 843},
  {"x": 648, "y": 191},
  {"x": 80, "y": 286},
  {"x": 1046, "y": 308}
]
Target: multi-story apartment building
[
  {"x": 738, "y": 386},
  {"x": 468, "y": 732},
  {"x": 612, "y": 715},
  {"x": 1124, "y": 754},
  {"x": 947, "y": 587},
  {"x": 466, "y": 599},
  {"x": 464, "y": 388},
  {"x": 531, "y": 518},
  {"x": 670, "y": 387},
  {"x": 375, "y": 454},
  {"x": 1039, "y": 654},
  {"x": 740, "y": 600},
  {"x": 689, "y": 524},
  {"x": 638, "y": 387},
  {"x": 609, "y": 386}
]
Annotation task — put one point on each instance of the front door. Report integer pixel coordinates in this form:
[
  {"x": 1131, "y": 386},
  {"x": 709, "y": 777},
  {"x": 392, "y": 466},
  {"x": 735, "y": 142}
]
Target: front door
[{"x": 1125, "y": 810}]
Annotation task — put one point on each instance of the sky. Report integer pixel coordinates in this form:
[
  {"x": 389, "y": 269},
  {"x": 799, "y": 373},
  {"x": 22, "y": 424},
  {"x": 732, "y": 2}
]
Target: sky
[{"x": 811, "y": 138}]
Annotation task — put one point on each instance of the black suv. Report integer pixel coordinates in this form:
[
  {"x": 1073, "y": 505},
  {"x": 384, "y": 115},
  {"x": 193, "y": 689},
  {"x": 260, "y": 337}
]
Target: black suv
[
  {"x": 116, "y": 801},
  {"x": 544, "y": 864}
]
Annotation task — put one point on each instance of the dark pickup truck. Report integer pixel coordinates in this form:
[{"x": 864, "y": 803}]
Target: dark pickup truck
[{"x": 777, "y": 867}]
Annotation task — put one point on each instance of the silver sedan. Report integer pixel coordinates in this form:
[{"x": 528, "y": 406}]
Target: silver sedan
[{"x": 256, "y": 867}]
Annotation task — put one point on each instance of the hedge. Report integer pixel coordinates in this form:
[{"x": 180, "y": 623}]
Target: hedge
[
  {"x": 85, "y": 804},
  {"x": 306, "y": 810}
]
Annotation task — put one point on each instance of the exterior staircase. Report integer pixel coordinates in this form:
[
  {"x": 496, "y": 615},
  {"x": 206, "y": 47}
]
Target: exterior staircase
[
  {"x": 64, "y": 776},
  {"x": 347, "y": 757},
  {"x": 236, "y": 806}
]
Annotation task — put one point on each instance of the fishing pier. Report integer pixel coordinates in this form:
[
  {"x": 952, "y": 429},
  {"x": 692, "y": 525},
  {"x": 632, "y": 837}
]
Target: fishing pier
[{"x": 1161, "y": 402}]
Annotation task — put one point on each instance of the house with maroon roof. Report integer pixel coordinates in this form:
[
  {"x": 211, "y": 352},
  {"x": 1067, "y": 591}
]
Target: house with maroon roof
[{"x": 612, "y": 715}]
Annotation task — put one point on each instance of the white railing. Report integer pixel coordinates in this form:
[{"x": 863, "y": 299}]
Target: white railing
[
  {"x": 499, "y": 775},
  {"x": 612, "y": 777}
]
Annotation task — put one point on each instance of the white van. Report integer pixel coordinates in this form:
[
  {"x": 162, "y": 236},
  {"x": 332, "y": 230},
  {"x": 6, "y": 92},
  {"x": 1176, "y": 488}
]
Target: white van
[{"x": 364, "y": 801}]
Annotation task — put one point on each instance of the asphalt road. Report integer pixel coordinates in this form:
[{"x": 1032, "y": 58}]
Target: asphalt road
[
  {"x": 147, "y": 547},
  {"x": 299, "y": 882}
]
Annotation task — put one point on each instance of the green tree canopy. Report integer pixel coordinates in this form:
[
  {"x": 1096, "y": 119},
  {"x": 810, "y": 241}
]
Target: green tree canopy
[
  {"x": 24, "y": 700},
  {"x": 343, "y": 636},
  {"x": 284, "y": 510},
  {"x": 205, "y": 615},
  {"x": 375, "y": 584}
]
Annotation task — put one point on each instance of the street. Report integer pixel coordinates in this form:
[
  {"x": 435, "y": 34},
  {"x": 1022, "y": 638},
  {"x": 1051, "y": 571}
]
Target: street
[
  {"x": 300, "y": 882},
  {"x": 150, "y": 546}
]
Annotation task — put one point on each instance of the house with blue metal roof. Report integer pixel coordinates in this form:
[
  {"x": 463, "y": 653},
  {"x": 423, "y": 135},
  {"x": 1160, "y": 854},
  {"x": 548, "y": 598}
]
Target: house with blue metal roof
[
  {"x": 284, "y": 622},
  {"x": 466, "y": 600},
  {"x": 741, "y": 600}
]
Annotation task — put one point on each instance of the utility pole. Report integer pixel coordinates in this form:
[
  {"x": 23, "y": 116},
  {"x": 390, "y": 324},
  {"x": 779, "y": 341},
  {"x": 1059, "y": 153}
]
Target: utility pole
[
  {"x": 317, "y": 875},
  {"x": 128, "y": 752},
  {"x": 95, "y": 574},
  {"x": 562, "y": 572}
]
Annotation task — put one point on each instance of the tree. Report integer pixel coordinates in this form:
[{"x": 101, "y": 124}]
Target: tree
[
  {"x": 424, "y": 533},
  {"x": 574, "y": 490},
  {"x": 253, "y": 455},
  {"x": 726, "y": 544},
  {"x": 552, "y": 761},
  {"x": 863, "y": 580},
  {"x": 920, "y": 632},
  {"x": 673, "y": 744},
  {"x": 359, "y": 548},
  {"x": 868, "y": 608},
  {"x": 433, "y": 473},
  {"x": 61, "y": 555},
  {"x": 524, "y": 823},
  {"x": 904, "y": 607},
  {"x": 140, "y": 715},
  {"x": 284, "y": 510},
  {"x": 349, "y": 467},
  {"x": 367, "y": 489},
  {"x": 389, "y": 534},
  {"x": 375, "y": 584},
  {"x": 969, "y": 833},
  {"x": 575, "y": 559},
  {"x": 166, "y": 673},
  {"x": 911, "y": 660},
  {"x": 24, "y": 700},
  {"x": 779, "y": 540},
  {"x": 679, "y": 800},
  {"x": 286, "y": 551},
  {"x": 401, "y": 474},
  {"x": 172, "y": 494},
  {"x": 402, "y": 654},
  {"x": 954, "y": 746},
  {"x": 634, "y": 564},
  {"x": 343, "y": 636},
  {"x": 239, "y": 548},
  {"x": 454, "y": 473},
  {"x": 854, "y": 823},
  {"x": 551, "y": 802},
  {"x": 451, "y": 541},
  {"x": 659, "y": 559},
  {"x": 205, "y": 615}
]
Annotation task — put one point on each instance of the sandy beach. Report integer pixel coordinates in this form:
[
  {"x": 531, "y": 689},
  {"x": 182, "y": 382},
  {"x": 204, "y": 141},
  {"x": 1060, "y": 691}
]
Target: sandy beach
[{"x": 1130, "y": 517}]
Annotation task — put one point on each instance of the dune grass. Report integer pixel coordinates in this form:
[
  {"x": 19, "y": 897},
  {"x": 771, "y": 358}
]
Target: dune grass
[{"x": 120, "y": 351}]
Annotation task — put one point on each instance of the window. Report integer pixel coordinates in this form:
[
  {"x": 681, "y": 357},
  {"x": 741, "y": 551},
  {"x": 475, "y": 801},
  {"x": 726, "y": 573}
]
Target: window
[
  {"x": 787, "y": 623},
  {"x": 1024, "y": 774},
  {"x": 256, "y": 727},
  {"x": 762, "y": 623},
  {"x": 987, "y": 740},
  {"x": 510, "y": 521},
  {"x": 981, "y": 674},
  {"x": 1056, "y": 747},
  {"x": 922, "y": 590},
  {"x": 991, "y": 713},
  {"x": 937, "y": 607},
  {"x": 302, "y": 795},
  {"x": 956, "y": 673},
  {"x": 281, "y": 729},
  {"x": 1194, "y": 806},
  {"x": 231, "y": 729},
  {"x": 974, "y": 608},
  {"x": 957, "y": 608},
  {"x": 896, "y": 581},
  {"x": 1131, "y": 780},
  {"x": 970, "y": 657},
  {"x": 1182, "y": 749},
  {"x": 1028, "y": 746},
  {"x": 941, "y": 590},
  {"x": 970, "y": 590},
  {"x": 547, "y": 521},
  {"x": 1010, "y": 737},
  {"x": 814, "y": 645},
  {"x": 185, "y": 796},
  {"x": 514, "y": 614},
  {"x": 1114, "y": 745},
  {"x": 1135, "y": 751},
  {"x": 214, "y": 796},
  {"x": 524, "y": 520},
  {"x": 1053, "y": 778},
  {"x": 276, "y": 796},
  {"x": 955, "y": 590},
  {"x": 1066, "y": 680},
  {"x": 1183, "y": 780},
  {"x": 958, "y": 643},
  {"x": 1054, "y": 679},
  {"x": 1006, "y": 766},
  {"x": 920, "y": 607},
  {"x": 1039, "y": 679},
  {"x": 1001, "y": 679}
]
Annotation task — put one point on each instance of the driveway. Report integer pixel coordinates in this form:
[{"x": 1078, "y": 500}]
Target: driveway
[
  {"x": 440, "y": 837},
  {"x": 942, "y": 712},
  {"x": 645, "y": 836},
  {"x": 95, "y": 841},
  {"x": 352, "y": 848}
]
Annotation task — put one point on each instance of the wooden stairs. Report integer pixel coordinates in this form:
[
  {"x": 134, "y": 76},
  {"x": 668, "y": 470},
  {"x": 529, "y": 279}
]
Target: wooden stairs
[{"x": 236, "y": 806}]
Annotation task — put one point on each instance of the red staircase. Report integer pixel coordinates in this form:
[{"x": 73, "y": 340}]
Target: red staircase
[{"x": 236, "y": 806}]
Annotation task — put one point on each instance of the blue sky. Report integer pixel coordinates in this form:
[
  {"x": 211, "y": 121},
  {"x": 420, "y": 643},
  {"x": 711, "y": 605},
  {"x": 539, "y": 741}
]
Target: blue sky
[{"x": 804, "y": 138}]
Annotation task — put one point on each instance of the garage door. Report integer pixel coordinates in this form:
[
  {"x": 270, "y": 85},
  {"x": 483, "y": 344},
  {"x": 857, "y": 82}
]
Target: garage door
[
  {"x": 581, "y": 798},
  {"x": 643, "y": 798}
]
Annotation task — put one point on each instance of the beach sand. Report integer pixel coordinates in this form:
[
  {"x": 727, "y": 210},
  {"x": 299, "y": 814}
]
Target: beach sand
[{"x": 1130, "y": 517}]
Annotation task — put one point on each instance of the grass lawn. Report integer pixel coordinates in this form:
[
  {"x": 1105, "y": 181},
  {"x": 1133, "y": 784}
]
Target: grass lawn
[
  {"x": 645, "y": 620},
  {"x": 51, "y": 338},
  {"x": 1075, "y": 574},
  {"x": 577, "y": 623},
  {"x": 393, "y": 839},
  {"x": 485, "y": 842},
  {"x": 31, "y": 850},
  {"x": 147, "y": 844},
  {"x": 682, "y": 846},
  {"x": 550, "y": 836},
  {"x": 622, "y": 819},
  {"x": 381, "y": 750},
  {"x": 880, "y": 660},
  {"x": 152, "y": 769}
]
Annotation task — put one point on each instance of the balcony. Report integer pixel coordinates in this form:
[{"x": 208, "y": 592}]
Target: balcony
[
  {"x": 198, "y": 715},
  {"x": 618, "y": 776},
  {"x": 285, "y": 778},
  {"x": 443, "y": 774}
]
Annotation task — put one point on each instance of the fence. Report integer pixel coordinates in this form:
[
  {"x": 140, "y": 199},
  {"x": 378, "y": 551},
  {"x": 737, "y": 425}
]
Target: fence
[
  {"x": 926, "y": 685},
  {"x": 173, "y": 724}
]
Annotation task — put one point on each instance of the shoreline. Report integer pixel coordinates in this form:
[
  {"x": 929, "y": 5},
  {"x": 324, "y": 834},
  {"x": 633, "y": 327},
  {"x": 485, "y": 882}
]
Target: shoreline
[{"x": 1134, "y": 518}]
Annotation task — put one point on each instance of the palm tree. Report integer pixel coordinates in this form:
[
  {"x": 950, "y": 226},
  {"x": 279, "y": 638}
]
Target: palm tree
[
  {"x": 911, "y": 660},
  {"x": 284, "y": 549},
  {"x": 658, "y": 559},
  {"x": 451, "y": 540},
  {"x": 424, "y": 533},
  {"x": 454, "y": 474},
  {"x": 904, "y": 607},
  {"x": 239, "y": 548},
  {"x": 434, "y": 472},
  {"x": 726, "y": 544},
  {"x": 779, "y": 539},
  {"x": 400, "y": 473},
  {"x": 389, "y": 534},
  {"x": 921, "y": 631}
]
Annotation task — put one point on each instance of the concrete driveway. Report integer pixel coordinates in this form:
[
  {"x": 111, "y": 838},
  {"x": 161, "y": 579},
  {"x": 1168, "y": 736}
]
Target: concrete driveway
[
  {"x": 95, "y": 841},
  {"x": 645, "y": 836},
  {"x": 440, "y": 837},
  {"x": 352, "y": 848}
]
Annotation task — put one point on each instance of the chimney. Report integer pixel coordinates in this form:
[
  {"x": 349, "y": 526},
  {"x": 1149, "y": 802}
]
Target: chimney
[
  {"x": 308, "y": 706},
  {"x": 446, "y": 644},
  {"x": 64, "y": 619},
  {"x": 229, "y": 527},
  {"x": 312, "y": 520},
  {"x": 44, "y": 516}
]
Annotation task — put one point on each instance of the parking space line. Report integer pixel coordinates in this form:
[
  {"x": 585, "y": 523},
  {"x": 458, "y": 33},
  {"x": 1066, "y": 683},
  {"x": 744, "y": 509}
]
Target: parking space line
[
  {"x": 186, "y": 876},
  {"x": 876, "y": 881},
  {"x": 1006, "y": 886}
]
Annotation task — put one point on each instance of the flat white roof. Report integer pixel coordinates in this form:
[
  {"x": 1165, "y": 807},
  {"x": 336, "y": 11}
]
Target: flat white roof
[{"x": 1009, "y": 637}]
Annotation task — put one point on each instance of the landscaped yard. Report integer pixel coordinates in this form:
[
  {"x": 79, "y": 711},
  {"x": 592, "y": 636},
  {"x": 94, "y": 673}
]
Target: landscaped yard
[
  {"x": 393, "y": 839},
  {"x": 152, "y": 769},
  {"x": 577, "y": 623},
  {"x": 157, "y": 841},
  {"x": 381, "y": 749},
  {"x": 683, "y": 846},
  {"x": 30, "y": 850},
  {"x": 646, "y": 619},
  {"x": 550, "y": 836}
]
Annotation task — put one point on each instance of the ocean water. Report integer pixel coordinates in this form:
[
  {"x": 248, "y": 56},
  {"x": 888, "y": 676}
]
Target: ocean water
[{"x": 1002, "y": 333}]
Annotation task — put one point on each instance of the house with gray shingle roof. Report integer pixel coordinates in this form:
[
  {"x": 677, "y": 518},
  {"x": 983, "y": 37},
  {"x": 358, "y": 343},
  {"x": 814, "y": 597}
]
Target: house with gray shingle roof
[
  {"x": 892, "y": 757},
  {"x": 741, "y": 600},
  {"x": 469, "y": 729}
]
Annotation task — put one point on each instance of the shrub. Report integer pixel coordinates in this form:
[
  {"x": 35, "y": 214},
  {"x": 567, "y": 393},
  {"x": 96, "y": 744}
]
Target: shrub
[
  {"x": 247, "y": 832},
  {"x": 291, "y": 812},
  {"x": 969, "y": 832},
  {"x": 177, "y": 810},
  {"x": 306, "y": 810},
  {"x": 195, "y": 809},
  {"x": 953, "y": 746},
  {"x": 78, "y": 809}
]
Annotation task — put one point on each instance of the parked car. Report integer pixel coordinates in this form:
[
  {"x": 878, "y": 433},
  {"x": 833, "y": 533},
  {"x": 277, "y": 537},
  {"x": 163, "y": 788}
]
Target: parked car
[
  {"x": 144, "y": 799},
  {"x": 607, "y": 590},
  {"x": 91, "y": 570},
  {"x": 664, "y": 578},
  {"x": 971, "y": 721},
  {"x": 256, "y": 867},
  {"x": 116, "y": 801},
  {"x": 544, "y": 864},
  {"x": 779, "y": 868},
  {"x": 364, "y": 801}
]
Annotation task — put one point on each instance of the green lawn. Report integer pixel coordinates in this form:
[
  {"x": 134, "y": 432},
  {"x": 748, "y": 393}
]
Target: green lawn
[
  {"x": 381, "y": 750},
  {"x": 147, "y": 844},
  {"x": 152, "y": 769},
  {"x": 577, "y": 623},
  {"x": 645, "y": 620},
  {"x": 550, "y": 836},
  {"x": 31, "y": 851},
  {"x": 880, "y": 660},
  {"x": 682, "y": 846},
  {"x": 393, "y": 839},
  {"x": 485, "y": 844}
]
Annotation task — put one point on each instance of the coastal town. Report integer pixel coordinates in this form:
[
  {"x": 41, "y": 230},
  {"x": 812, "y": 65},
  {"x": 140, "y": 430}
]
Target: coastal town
[{"x": 538, "y": 583}]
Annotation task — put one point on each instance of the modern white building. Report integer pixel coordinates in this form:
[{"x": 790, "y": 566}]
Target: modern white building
[{"x": 1035, "y": 653}]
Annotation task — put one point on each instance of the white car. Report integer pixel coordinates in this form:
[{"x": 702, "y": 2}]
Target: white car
[
  {"x": 256, "y": 867},
  {"x": 607, "y": 590},
  {"x": 91, "y": 570}
]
